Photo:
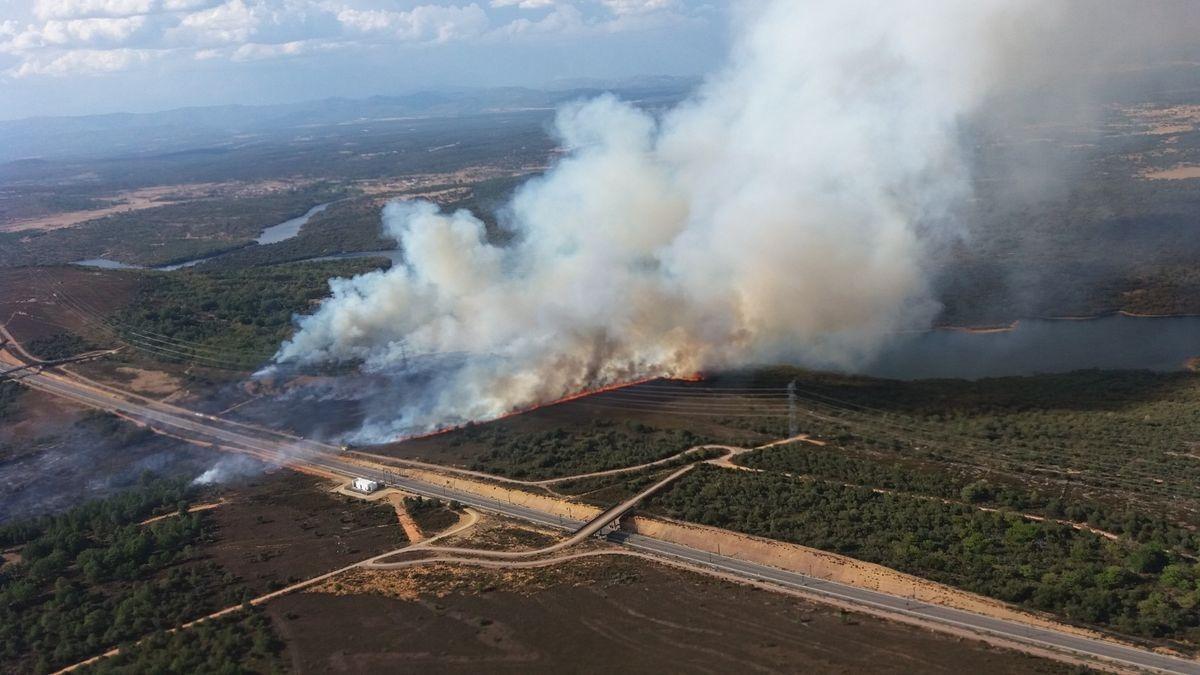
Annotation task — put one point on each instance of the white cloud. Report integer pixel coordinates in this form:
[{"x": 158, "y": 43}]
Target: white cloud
[
  {"x": 81, "y": 61},
  {"x": 524, "y": 4},
  {"x": 564, "y": 20},
  {"x": 425, "y": 23},
  {"x": 71, "y": 9},
  {"x": 635, "y": 7},
  {"x": 231, "y": 22},
  {"x": 186, "y": 5},
  {"x": 91, "y": 31},
  {"x": 246, "y": 30},
  {"x": 257, "y": 52}
]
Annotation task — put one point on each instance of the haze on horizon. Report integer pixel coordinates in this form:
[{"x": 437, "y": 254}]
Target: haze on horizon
[{"x": 80, "y": 57}]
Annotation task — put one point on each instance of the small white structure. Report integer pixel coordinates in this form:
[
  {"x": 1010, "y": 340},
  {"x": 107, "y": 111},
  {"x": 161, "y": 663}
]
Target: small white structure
[{"x": 365, "y": 485}]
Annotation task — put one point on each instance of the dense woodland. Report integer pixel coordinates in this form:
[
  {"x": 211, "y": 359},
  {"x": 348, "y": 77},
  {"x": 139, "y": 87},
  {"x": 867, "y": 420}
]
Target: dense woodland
[
  {"x": 95, "y": 577},
  {"x": 571, "y": 450},
  {"x": 1123, "y": 432},
  {"x": 240, "y": 643},
  {"x": 975, "y": 488},
  {"x": 58, "y": 346}
]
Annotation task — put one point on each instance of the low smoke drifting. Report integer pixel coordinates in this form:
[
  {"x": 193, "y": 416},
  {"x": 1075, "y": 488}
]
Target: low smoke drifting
[
  {"x": 229, "y": 468},
  {"x": 785, "y": 213}
]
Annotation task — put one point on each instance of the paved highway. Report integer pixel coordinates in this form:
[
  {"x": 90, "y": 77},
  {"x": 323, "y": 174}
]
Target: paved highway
[
  {"x": 271, "y": 445},
  {"x": 1128, "y": 656}
]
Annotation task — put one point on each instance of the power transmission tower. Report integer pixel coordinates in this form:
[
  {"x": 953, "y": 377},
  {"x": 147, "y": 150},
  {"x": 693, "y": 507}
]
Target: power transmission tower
[{"x": 793, "y": 425}]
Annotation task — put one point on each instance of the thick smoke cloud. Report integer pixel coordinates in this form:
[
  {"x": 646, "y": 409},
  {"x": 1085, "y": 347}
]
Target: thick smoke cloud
[{"x": 785, "y": 213}]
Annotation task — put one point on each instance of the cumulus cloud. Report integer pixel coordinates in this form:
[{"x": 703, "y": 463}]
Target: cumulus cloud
[
  {"x": 524, "y": 4},
  {"x": 232, "y": 21},
  {"x": 82, "y": 61},
  {"x": 254, "y": 29},
  {"x": 432, "y": 23},
  {"x": 564, "y": 20},
  {"x": 628, "y": 7},
  {"x": 71, "y": 9}
]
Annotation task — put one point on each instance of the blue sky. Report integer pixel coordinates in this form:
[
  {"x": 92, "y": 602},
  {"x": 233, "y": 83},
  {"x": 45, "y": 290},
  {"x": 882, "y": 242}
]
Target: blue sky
[{"x": 70, "y": 57}]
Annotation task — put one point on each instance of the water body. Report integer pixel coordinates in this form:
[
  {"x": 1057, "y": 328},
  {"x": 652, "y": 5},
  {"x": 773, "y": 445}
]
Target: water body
[
  {"x": 395, "y": 256},
  {"x": 289, "y": 228},
  {"x": 106, "y": 264},
  {"x": 1043, "y": 346},
  {"x": 271, "y": 235}
]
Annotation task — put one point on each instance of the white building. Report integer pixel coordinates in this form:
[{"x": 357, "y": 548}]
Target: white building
[{"x": 365, "y": 485}]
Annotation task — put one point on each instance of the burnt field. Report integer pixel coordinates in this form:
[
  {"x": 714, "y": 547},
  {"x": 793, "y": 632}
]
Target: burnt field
[
  {"x": 284, "y": 527},
  {"x": 54, "y": 453},
  {"x": 591, "y": 616}
]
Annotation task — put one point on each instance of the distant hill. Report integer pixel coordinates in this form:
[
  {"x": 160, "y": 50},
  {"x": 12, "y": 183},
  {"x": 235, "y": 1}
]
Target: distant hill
[{"x": 186, "y": 129}]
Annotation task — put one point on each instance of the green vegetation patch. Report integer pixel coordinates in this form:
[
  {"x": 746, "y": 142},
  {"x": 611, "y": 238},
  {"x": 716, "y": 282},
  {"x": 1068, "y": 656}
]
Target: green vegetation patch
[
  {"x": 599, "y": 446},
  {"x": 234, "y": 319},
  {"x": 241, "y": 643},
  {"x": 165, "y": 234},
  {"x": 1127, "y": 433},
  {"x": 10, "y": 394},
  {"x": 1142, "y": 590},
  {"x": 972, "y": 486},
  {"x": 83, "y": 581},
  {"x": 59, "y": 346}
]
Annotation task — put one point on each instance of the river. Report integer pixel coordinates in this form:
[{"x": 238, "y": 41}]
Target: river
[
  {"x": 288, "y": 228},
  {"x": 270, "y": 235}
]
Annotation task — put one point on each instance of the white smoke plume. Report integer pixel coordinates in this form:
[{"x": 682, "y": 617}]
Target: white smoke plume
[{"x": 785, "y": 213}]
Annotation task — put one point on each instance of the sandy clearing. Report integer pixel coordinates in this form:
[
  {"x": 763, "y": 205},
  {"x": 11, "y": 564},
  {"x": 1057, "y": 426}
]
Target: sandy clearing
[
  {"x": 192, "y": 509},
  {"x": 411, "y": 529},
  {"x": 131, "y": 200},
  {"x": 1176, "y": 173},
  {"x": 147, "y": 198},
  {"x": 1164, "y": 121},
  {"x": 150, "y": 382}
]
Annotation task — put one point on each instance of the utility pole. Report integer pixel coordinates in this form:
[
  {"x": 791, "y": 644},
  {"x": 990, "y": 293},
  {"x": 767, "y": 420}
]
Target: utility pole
[{"x": 793, "y": 425}]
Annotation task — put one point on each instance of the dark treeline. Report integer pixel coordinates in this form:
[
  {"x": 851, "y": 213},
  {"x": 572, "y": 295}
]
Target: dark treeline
[
  {"x": 94, "y": 577},
  {"x": 564, "y": 451},
  {"x": 973, "y": 487},
  {"x": 241, "y": 643}
]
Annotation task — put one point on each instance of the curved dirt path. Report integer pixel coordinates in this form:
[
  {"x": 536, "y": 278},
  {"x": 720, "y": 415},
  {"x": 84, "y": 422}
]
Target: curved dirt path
[{"x": 471, "y": 518}]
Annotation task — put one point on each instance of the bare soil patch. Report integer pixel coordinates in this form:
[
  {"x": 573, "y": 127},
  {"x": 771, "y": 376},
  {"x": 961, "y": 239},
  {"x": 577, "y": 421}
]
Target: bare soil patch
[
  {"x": 1176, "y": 173},
  {"x": 131, "y": 200},
  {"x": 602, "y": 615},
  {"x": 150, "y": 382},
  {"x": 145, "y": 198},
  {"x": 502, "y": 534}
]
